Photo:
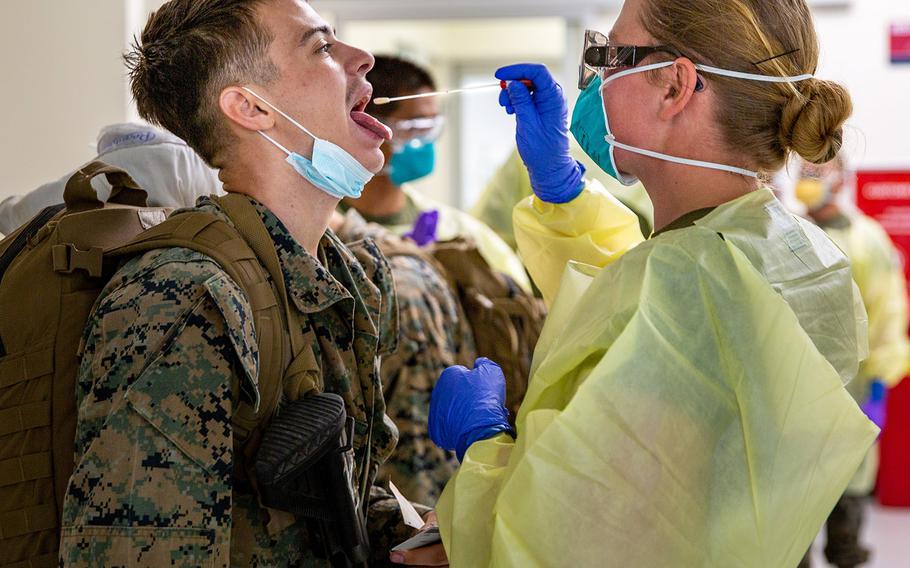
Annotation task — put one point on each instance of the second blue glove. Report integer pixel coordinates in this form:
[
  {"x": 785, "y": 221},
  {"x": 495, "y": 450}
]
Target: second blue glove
[{"x": 467, "y": 406}]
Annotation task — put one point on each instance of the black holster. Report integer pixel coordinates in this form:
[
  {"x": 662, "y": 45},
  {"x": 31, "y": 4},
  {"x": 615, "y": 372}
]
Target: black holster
[{"x": 305, "y": 466}]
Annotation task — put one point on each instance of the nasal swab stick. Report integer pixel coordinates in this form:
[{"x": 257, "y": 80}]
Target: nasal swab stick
[{"x": 501, "y": 85}]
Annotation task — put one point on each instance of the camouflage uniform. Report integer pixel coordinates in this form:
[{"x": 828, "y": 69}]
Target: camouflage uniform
[
  {"x": 169, "y": 350},
  {"x": 434, "y": 334}
]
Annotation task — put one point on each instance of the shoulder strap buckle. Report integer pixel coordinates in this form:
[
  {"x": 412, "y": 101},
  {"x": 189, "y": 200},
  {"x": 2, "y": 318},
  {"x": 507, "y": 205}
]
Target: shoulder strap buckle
[{"x": 67, "y": 259}]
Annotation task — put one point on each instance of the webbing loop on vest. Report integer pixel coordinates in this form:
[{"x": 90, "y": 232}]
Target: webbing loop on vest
[
  {"x": 28, "y": 520},
  {"x": 25, "y": 468},
  {"x": 43, "y": 561},
  {"x": 301, "y": 376},
  {"x": 25, "y": 367},
  {"x": 192, "y": 225},
  {"x": 25, "y": 417}
]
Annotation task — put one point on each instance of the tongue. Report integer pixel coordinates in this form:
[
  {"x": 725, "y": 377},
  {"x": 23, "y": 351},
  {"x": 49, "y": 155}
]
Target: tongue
[{"x": 366, "y": 121}]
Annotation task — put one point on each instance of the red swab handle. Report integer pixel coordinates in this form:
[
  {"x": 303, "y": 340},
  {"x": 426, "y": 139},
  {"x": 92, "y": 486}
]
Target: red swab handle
[{"x": 526, "y": 82}]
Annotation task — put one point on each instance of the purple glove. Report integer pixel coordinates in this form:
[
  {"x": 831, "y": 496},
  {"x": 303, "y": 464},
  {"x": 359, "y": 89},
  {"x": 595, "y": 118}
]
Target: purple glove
[
  {"x": 875, "y": 406},
  {"x": 468, "y": 406},
  {"x": 542, "y": 132},
  {"x": 424, "y": 231}
]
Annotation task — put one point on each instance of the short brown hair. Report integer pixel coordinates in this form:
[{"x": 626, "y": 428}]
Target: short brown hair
[
  {"x": 394, "y": 76},
  {"x": 771, "y": 37},
  {"x": 189, "y": 51}
]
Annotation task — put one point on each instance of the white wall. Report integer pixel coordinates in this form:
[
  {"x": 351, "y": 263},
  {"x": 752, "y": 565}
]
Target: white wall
[
  {"x": 855, "y": 52},
  {"x": 62, "y": 79}
]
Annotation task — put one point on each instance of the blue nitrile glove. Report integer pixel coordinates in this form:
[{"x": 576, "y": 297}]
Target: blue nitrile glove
[
  {"x": 468, "y": 406},
  {"x": 542, "y": 131}
]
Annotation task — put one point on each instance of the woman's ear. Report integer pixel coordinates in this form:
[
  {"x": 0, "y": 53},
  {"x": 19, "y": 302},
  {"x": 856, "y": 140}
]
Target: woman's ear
[
  {"x": 682, "y": 82},
  {"x": 245, "y": 110}
]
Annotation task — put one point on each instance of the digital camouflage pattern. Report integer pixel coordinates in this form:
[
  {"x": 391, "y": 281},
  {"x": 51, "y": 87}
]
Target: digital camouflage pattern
[
  {"x": 434, "y": 334},
  {"x": 169, "y": 350}
]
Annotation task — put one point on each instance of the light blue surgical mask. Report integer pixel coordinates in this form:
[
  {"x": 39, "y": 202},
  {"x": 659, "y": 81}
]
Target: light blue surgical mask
[
  {"x": 332, "y": 169},
  {"x": 591, "y": 125},
  {"x": 411, "y": 162}
]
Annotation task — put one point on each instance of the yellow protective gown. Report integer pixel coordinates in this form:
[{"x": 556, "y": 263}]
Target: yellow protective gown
[
  {"x": 512, "y": 184},
  {"x": 686, "y": 406},
  {"x": 880, "y": 277}
]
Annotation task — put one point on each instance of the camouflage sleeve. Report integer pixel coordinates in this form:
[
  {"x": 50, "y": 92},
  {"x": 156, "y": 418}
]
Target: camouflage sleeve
[{"x": 154, "y": 450}]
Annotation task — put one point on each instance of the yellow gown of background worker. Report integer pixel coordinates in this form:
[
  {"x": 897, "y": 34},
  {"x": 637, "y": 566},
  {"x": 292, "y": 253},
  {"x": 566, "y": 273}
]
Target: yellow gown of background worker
[
  {"x": 880, "y": 277},
  {"x": 686, "y": 406}
]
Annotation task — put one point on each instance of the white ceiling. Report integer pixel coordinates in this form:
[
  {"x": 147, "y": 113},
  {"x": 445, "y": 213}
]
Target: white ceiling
[{"x": 444, "y": 9}]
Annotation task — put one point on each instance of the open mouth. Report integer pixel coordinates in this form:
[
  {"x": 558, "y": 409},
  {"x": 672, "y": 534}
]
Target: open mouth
[
  {"x": 361, "y": 104},
  {"x": 367, "y": 122}
]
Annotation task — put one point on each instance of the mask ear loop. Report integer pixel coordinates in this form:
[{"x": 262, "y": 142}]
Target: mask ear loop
[
  {"x": 282, "y": 113},
  {"x": 275, "y": 142}
]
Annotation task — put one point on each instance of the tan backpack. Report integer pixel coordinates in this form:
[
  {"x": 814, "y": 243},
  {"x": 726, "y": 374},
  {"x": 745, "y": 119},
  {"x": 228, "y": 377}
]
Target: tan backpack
[
  {"x": 505, "y": 320},
  {"x": 51, "y": 272}
]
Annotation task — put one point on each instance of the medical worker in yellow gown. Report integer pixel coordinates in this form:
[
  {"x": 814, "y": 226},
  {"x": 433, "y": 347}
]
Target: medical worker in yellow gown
[
  {"x": 687, "y": 403},
  {"x": 879, "y": 275}
]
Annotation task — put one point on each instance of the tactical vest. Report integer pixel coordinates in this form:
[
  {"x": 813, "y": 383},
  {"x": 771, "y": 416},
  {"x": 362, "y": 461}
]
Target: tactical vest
[{"x": 51, "y": 272}]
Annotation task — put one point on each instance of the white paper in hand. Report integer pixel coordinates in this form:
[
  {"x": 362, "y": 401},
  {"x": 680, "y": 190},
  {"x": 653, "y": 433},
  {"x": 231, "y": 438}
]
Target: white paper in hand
[{"x": 411, "y": 517}]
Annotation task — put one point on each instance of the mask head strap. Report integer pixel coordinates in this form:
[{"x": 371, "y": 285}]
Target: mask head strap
[
  {"x": 753, "y": 76},
  {"x": 611, "y": 140}
]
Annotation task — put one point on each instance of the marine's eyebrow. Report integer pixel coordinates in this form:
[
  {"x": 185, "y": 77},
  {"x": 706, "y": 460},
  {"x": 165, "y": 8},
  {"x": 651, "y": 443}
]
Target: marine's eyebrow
[{"x": 307, "y": 35}]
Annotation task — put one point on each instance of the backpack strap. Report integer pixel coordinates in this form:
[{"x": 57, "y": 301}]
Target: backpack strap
[
  {"x": 246, "y": 221},
  {"x": 298, "y": 379},
  {"x": 245, "y": 251}
]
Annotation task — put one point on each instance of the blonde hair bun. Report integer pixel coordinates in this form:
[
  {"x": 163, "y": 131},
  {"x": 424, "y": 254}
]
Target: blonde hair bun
[{"x": 812, "y": 123}]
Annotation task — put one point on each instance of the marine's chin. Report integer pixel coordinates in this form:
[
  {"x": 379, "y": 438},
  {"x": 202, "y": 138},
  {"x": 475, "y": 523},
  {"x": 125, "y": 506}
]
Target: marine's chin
[{"x": 374, "y": 161}]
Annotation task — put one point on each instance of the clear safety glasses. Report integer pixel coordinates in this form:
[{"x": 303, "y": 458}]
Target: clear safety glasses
[
  {"x": 599, "y": 55},
  {"x": 417, "y": 131}
]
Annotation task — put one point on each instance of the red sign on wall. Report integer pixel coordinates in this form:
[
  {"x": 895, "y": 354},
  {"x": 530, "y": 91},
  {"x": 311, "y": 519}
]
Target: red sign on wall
[
  {"x": 900, "y": 43},
  {"x": 885, "y": 196}
]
